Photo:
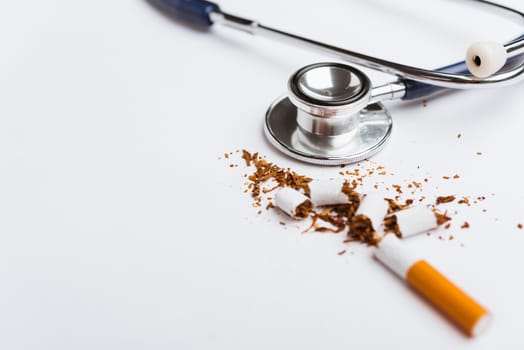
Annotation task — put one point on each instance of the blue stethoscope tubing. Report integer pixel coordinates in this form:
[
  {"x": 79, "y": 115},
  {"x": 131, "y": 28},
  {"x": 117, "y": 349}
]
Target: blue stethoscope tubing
[{"x": 418, "y": 82}]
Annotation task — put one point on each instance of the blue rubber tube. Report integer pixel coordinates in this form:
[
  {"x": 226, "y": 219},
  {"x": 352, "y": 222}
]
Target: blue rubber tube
[
  {"x": 194, "y": 11},
  {"x": 415, "y": 89}
]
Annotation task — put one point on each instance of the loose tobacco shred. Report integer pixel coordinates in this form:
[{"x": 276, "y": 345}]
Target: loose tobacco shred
[
  {"x": 247, "y": 157},
  {"x": 441, "y": 218},
  {"x": 336, "y": 215},
  {"x": 361, "y": 230},
  {"x": 464, "y": 200},
  {"x": 394, "y": 206},
  {"x": 304, "y": 209},
  {"x": 445, "y": 199},
  {"x": 265, "y": 171},
  {"x": 353, "y": 196},
  {"x": 391, "y": 226}
]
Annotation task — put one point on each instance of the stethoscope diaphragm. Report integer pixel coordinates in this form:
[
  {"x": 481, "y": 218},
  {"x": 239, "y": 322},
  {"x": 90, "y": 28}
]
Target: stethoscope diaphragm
[{"x": 326, "y": 117}]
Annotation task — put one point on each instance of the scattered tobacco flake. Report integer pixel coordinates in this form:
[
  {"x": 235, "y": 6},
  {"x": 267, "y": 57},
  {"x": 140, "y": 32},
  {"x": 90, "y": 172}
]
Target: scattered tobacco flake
[
  {"x": 519, "y": 226},
  {"x": 456, "y": 176},
  {"x": 464, "y": 200},
  {"x": 353, "y": 196},
  {"x": 265, "y": 171},
  {"x": 247, "y": 157},
  {"x": 342, "y": 252},
  {"x": 336, "y": 215},
  {"x": 451, "y": 237},
  {"x": 282, "y": 223},
  {"x": 445, "y": 199},
  {"x": 448, "y": 225},
  {"x": 479, "y": 153},
  {"x": 441, "y": 218},
  {"x": 397, "y": 188},
  {"x": 465, "y": 225},
  {"x": 459, "y": 136},
  {"x": 394, "y": 206},
  {"x": 446, "y": 177}
]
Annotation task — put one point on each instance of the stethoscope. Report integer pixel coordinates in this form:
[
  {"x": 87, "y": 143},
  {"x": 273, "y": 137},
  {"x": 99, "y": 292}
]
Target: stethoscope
[{"x": 332, "y": 114}]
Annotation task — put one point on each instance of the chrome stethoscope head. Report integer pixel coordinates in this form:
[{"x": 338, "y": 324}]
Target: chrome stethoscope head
[{"x": 327, "y": 117}]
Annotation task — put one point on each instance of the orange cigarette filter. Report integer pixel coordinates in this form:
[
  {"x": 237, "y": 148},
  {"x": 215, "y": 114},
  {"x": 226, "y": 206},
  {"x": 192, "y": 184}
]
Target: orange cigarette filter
[{"x": 465, "y": 312}]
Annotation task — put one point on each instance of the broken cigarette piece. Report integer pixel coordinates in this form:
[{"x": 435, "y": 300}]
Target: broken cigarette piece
[
  {"x": 374, "y": 207},
  {"x": 293, "y": 203},
  {"x": 411, "y": 221},
  {"x": 327, "y": 192},
  {"x": 465, "y": 312}
]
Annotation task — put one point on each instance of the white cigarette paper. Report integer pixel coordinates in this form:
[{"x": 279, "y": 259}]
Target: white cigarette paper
[
  {"x": 327, "y": 192},
  {"x": 375, "y": 207},
  {"x": 288, "y": 199},
  {"x": 415, "y": 220},
  {"x": 395, "y": 255}
]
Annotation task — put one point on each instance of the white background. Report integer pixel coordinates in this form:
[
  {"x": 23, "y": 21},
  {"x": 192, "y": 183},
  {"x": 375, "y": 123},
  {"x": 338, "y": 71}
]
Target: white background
[{"x": 120, "y": 227}]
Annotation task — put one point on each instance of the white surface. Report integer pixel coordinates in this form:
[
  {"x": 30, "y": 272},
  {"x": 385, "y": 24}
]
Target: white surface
[
  {"x": 121, "y": 228},
  {"x": 415, "y": 220},
  {"x": 395, "y": 255}
]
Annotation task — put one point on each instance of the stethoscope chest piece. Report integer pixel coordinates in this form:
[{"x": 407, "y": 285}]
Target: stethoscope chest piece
[{"x": 326, "y": 117}]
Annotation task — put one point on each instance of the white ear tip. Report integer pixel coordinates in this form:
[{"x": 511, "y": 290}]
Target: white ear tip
[{"x": 485, "y": 58}]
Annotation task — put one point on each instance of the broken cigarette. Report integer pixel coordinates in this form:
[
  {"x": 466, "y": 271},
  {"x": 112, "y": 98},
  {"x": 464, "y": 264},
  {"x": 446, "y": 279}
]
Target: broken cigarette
[
  {"x": 327, "y": 192},
  {"x": 375, "y": 207},
  {"x": 465, "y": 312},
  {"x": 293, "y": 203},
  {"x": 414, "y": 220}
]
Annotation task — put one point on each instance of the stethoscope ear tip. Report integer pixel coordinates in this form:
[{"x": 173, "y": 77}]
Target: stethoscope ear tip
[{"x": 486, "y": 58}]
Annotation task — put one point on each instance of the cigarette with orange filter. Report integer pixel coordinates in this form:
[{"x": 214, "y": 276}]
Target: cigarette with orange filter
[{"x": 465, "y": 312}]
